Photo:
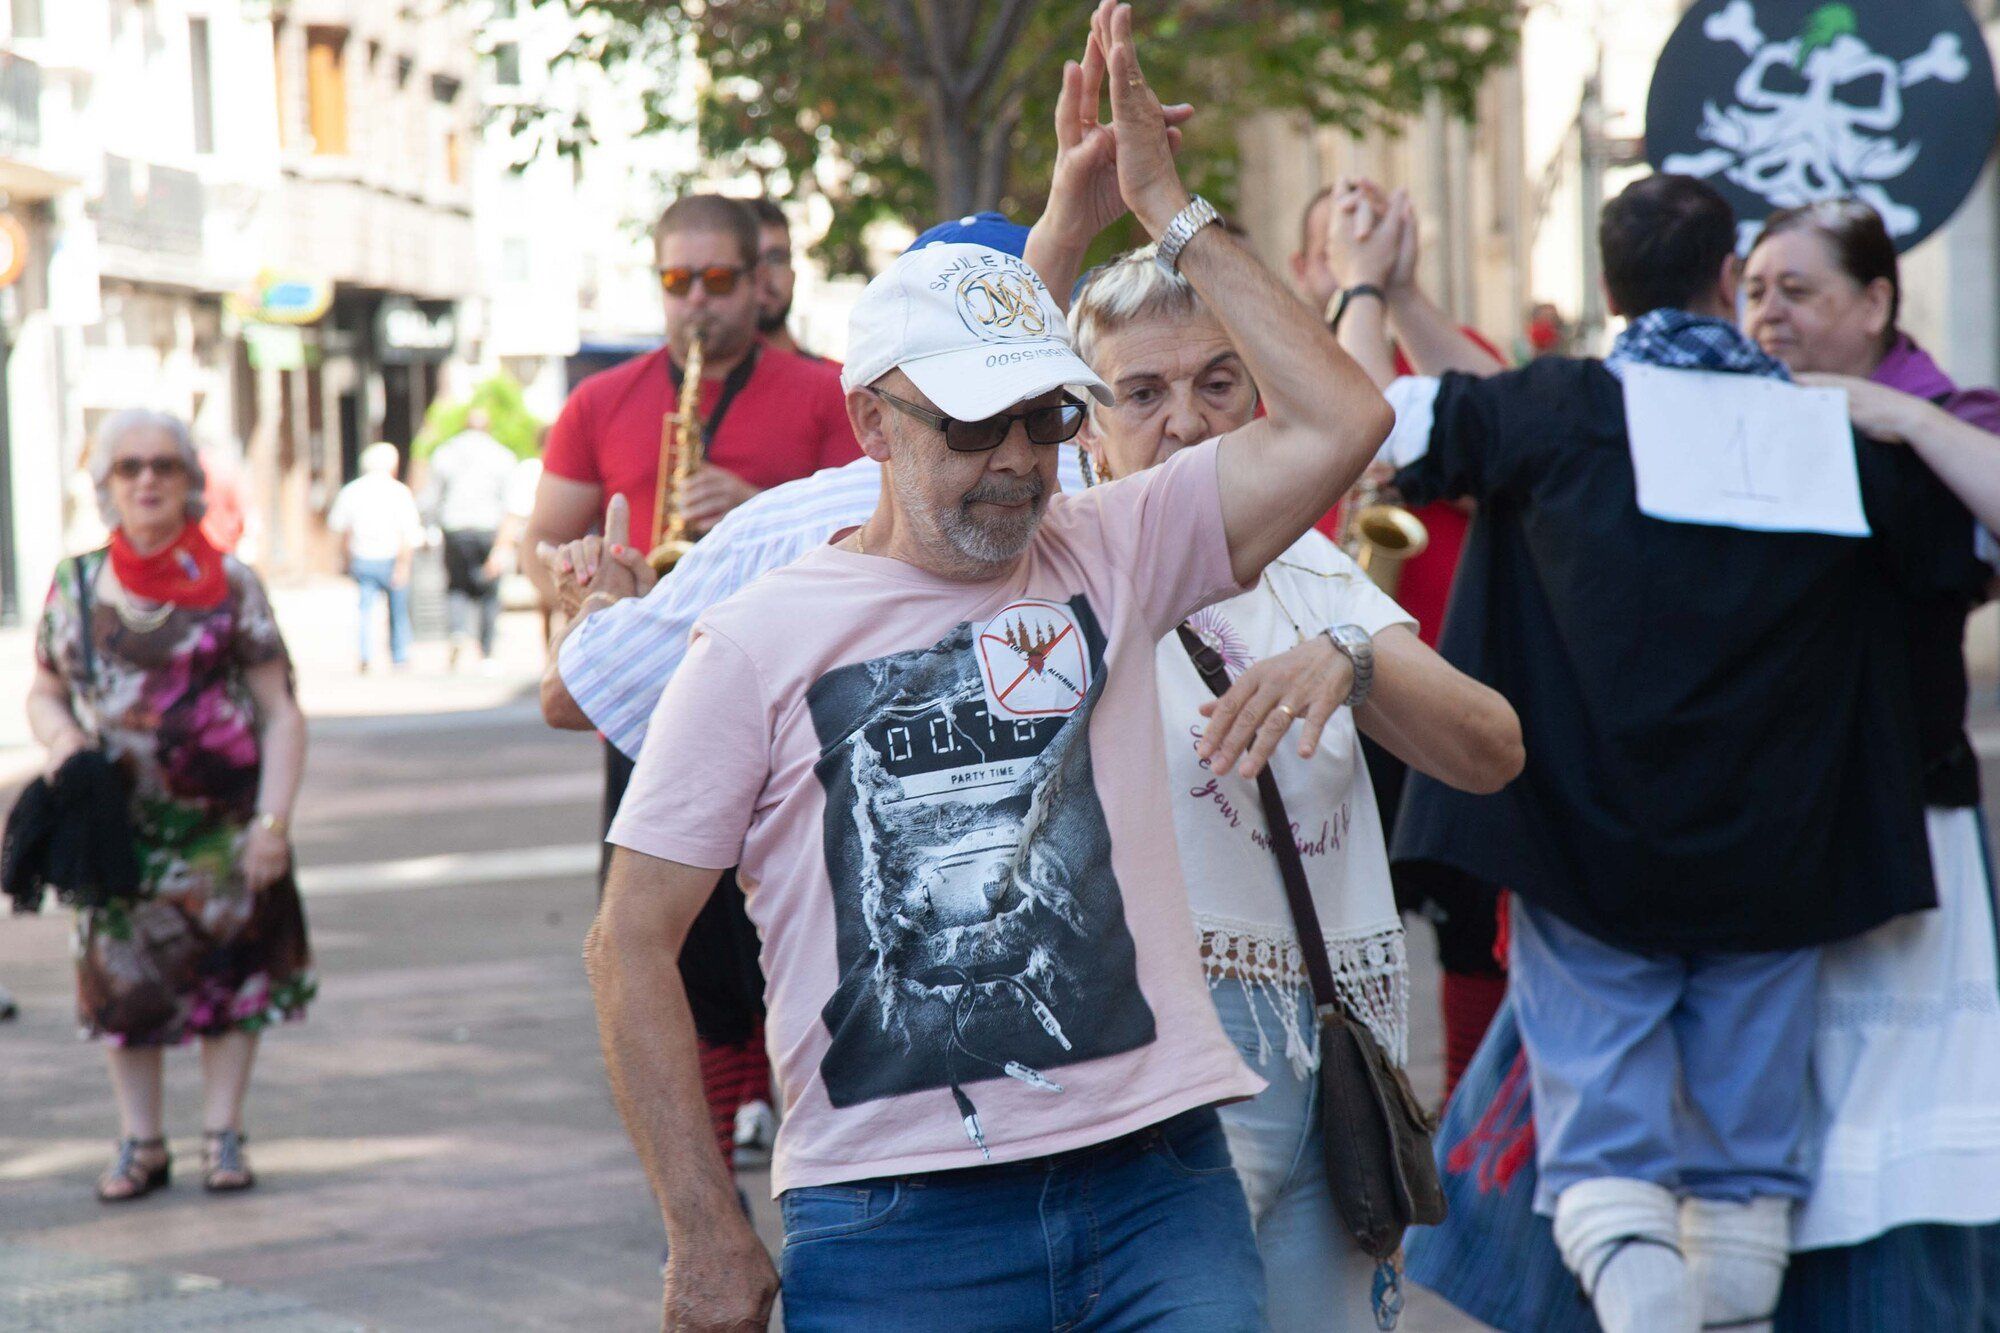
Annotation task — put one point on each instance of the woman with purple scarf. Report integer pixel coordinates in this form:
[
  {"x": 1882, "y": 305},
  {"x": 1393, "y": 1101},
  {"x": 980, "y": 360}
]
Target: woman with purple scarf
[
  {"x": 1906, "y": 1050},
  {"x": 1899, "y": 1228}
]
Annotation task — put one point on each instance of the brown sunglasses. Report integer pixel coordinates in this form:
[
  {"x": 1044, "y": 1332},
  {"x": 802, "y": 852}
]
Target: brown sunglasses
[
  {"x": 716, "y": 279},
  {"x": 130, "y": 468}
]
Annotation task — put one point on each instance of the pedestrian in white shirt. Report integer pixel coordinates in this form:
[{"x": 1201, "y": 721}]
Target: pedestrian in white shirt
[
  {"x": 466, "y": 496},
  {"x": 378, "y": 516}
]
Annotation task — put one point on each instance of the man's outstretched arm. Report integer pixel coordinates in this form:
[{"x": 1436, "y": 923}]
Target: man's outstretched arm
[{"x": 719, "y": 1276}]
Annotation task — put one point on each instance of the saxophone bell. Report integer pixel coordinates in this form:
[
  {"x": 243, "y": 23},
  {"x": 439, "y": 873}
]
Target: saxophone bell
[{"x": 1381, "y": 537}]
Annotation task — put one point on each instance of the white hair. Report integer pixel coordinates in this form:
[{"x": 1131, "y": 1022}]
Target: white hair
[
  {"x": 382, "y": 457},
  {"x": 104, "y": 452},
  {"x": 1125, "y": 291}
]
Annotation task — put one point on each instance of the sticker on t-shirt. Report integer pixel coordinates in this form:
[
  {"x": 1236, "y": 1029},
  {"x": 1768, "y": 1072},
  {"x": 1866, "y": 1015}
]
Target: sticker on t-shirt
[
  {"x": 1032, "y": 662},
  {"x": 980, "y": 930}
]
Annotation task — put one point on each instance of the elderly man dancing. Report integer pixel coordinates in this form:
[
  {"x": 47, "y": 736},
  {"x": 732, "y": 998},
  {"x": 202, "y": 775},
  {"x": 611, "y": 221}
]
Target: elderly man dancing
[{"x": 933, "y": 751}]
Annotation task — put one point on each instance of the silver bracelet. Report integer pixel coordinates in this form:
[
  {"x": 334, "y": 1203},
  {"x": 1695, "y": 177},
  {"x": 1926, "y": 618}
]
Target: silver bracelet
[
  {"x": 1354, "y": 643},
  {"x": 1198, "y": 214}
]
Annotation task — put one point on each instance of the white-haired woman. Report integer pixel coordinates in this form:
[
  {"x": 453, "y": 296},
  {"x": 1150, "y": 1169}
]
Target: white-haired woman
[
  {"x": 1179, "y": 382},
  {"x": 377, "y": 516},
  {"x": 164, "y": 652}
]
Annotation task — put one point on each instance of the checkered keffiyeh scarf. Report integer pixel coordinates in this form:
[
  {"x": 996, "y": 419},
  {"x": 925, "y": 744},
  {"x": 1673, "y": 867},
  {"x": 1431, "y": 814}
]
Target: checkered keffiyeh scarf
[{"x": 1676, "y": 340}]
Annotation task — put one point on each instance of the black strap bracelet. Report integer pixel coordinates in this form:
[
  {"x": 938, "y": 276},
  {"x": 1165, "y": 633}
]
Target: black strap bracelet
[{"x": 1347, "y": 295}]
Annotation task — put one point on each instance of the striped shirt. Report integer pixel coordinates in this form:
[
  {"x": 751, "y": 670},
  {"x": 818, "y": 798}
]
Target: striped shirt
[{"x": 616, "y": 663}]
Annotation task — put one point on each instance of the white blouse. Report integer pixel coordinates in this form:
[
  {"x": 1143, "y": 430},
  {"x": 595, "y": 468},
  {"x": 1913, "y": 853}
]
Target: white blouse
[{"x": 1233, "y": 882}]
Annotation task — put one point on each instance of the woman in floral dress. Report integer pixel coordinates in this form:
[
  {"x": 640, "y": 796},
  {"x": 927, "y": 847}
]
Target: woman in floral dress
[{"x": 164, "y": 651}]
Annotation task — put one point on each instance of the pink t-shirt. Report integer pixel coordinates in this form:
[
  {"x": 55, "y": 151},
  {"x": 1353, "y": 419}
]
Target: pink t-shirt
[{"x": 947, "y": 805}]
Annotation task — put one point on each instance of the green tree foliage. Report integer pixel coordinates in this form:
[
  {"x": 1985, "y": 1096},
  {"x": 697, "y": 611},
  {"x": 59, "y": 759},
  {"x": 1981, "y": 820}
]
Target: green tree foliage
[
  {"x": 509, "y": 420},
  {"x": 925, "y": 109}
]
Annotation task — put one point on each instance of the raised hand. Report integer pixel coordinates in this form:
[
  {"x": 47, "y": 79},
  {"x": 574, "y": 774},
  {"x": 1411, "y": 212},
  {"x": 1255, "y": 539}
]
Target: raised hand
[
  {"x": 1084, "y": 196},
  {"x": 1148, "y": 180},
  {"x": 1364, "y": 235},
  {"x": 1404, "y": 214}
]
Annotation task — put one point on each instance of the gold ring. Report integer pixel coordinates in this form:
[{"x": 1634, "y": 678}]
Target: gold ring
[{"x": 1286, "y": 709}]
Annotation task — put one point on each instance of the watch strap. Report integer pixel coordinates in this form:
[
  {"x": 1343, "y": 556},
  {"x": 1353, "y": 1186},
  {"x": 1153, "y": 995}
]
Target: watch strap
[
  {"x": 1198, "y": 214},
  {"x": 1347, "y": 295},
  {"x": 1358, "y": 647}
]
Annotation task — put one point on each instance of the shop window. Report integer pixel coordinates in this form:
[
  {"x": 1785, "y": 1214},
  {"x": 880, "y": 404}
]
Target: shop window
[
  {"x": 326, "y": 90},
  {"x": 204, "y": 91}
]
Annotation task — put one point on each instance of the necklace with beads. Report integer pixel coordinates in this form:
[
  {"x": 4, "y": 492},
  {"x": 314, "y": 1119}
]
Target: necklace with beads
[{"x": 133, "y": 617}]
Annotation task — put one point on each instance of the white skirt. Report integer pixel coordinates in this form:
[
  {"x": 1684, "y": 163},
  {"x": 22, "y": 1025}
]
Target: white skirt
[{"x": 1906, "y": 1061}]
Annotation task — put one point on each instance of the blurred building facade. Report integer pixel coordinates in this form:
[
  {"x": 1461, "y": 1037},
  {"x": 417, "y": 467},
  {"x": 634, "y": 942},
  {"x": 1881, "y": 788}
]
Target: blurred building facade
[{"x": 257, "y": 216}]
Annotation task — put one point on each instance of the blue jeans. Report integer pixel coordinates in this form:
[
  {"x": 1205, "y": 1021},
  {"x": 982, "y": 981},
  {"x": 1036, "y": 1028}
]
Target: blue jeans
[
  {"x": 1146, "y": 1231},
  {"x": 1686, "y": 1070},
  {"x": 374, "y": 578},
  {"x": 1318, "y": 1279}
]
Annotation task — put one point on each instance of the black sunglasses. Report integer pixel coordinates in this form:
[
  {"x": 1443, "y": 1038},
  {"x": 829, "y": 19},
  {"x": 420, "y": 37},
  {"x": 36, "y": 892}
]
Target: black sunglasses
[{"x": 1055, "y": 424}]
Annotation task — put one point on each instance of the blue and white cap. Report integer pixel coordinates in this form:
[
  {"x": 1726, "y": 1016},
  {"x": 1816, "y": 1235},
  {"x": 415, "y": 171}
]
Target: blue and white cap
[{"x": 973, "y": 328}]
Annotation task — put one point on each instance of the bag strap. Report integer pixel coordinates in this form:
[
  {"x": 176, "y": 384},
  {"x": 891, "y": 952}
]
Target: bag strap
[
  {"x": 87, "y": 638},
  {"x": 1278, "y": 831}
]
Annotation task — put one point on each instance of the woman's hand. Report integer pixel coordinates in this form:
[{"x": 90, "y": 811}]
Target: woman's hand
[
  {"x": 267, "y": 855},
  {"x": 1364, "y": 236},
  {"x": 1886, "y": 414},
  {"x": 1303, "y": 684}
]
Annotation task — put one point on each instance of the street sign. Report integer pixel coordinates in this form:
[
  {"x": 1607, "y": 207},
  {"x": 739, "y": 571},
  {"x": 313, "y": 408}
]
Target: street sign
[
  {"x": 283, "y": 297},
  {"x": 1784, "y": 102}
]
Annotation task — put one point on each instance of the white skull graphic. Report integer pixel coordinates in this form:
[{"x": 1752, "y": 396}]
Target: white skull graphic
[{"x": 1815, "y": 121}]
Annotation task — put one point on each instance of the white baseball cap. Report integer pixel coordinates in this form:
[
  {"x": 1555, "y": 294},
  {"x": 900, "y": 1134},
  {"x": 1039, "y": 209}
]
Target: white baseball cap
[{"x": 973, "y": 328}]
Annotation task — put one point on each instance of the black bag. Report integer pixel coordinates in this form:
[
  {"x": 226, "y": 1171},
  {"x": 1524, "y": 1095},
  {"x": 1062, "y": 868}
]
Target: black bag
[
  {"x": 1379, "y": 1159},
  {"x": 74, "y": 835}
]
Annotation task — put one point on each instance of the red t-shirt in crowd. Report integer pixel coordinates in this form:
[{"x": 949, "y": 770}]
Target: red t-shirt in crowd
[
  {"x": 1424, "y": 589},
  {"x": 789, "y": 421}
]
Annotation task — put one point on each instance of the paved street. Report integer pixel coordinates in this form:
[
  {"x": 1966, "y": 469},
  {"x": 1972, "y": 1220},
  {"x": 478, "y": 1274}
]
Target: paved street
[{"x": 437, "y": 1145}]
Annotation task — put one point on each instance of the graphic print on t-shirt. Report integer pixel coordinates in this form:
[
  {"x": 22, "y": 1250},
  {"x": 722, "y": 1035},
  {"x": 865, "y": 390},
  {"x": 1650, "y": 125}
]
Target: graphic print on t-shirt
[
  {"x": 981, "y": 933},
  {"x": 1032, "y": 662}
]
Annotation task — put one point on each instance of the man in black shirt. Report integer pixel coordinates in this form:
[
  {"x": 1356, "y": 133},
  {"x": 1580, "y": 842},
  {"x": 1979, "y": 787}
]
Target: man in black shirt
[{"x": 1722, "y": 774}]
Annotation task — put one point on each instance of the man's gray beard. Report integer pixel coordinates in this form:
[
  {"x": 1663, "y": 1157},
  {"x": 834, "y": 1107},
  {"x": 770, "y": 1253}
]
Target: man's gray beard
[{"x": 997, "y": 541}]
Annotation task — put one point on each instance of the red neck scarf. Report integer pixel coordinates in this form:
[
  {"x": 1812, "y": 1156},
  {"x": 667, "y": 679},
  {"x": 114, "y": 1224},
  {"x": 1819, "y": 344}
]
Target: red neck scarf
[{"x": 187, "y": 571}]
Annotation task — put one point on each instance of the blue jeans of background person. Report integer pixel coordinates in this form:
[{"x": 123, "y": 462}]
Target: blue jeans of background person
[
  {"x": 1685, "y": 1070},
  {"x": 376, "y": 577},
  {"x": 1146, "y": 1231},
  {"x": 1317, "y": 1280}
]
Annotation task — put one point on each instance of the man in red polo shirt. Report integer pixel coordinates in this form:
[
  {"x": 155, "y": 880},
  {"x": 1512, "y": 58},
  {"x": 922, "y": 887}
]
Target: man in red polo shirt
[
  {"x": 771, "y": 415},
  {"x": 1461, "y": 908}
]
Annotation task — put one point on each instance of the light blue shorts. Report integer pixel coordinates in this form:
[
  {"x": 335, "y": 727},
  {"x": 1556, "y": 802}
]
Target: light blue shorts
[{"x": 1686, "y": 1070}]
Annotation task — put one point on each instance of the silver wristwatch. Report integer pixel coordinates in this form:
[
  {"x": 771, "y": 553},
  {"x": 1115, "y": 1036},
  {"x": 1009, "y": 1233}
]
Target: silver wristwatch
[
  {"x": 1198, "y": 214},
  {"x": 1353, "y": 642}
]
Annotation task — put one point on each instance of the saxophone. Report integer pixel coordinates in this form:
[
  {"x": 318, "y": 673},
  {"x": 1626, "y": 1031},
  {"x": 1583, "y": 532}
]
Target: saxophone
[
  {"x": 680, "y": 455},
  {"x": 1380, "y": 536}
]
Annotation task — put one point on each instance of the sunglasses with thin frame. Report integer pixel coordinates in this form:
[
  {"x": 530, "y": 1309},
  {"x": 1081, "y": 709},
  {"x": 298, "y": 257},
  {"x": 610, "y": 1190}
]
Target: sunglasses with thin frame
[
  {"x": 1057, "y": 423},
  {"x": 130, "y": 468},
  {"x": 716, "y": 279}
]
